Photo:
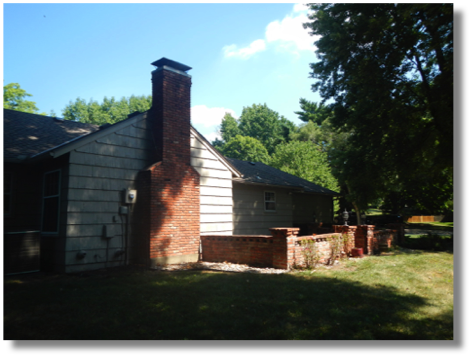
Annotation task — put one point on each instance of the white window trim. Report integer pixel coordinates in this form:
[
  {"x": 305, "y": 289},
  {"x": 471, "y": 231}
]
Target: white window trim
[
  {"x": 265, "y": 201},
  {"x": 51, "y": 196}
]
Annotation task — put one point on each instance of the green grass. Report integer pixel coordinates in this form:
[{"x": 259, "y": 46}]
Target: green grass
[
  {"x": 402, "y": 295},
  {"x": 435, "y": 225},
  {"x": 374, "y": 212}
]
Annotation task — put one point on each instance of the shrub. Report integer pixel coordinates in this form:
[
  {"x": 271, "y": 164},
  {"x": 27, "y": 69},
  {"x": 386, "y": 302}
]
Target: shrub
[
  {"x": 339, "y": 247},
  {"x": 311, "y": 253}
]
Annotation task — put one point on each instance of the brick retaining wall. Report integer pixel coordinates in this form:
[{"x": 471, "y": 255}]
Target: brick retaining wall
[
  {"x": 250, "y": 250},
  {"x": 284, "y": 249}
]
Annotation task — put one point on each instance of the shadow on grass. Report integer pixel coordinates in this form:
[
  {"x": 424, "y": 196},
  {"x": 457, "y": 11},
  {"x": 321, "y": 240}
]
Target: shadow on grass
[
  {"x": 211, "y": 305},
  {"x": 430, "y": 243}
]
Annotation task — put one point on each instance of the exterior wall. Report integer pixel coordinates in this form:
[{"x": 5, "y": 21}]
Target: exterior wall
[
  {"x": 98, "y": 174},
  {"x": 216, "y": 190},
  {"x": 27, "y": 208},
  {"x": 21, "y": 252},
  {"x": 312, "y": 208},
  {"x": 250, "y": 217}
]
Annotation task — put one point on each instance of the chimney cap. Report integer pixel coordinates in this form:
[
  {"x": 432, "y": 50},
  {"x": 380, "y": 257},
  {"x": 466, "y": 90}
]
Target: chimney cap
[{"x": 173, "y": 64}]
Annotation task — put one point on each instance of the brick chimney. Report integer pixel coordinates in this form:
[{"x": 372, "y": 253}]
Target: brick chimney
[
  {"x": 171, "y": 107},
  {"x": 171, "y": 185}
]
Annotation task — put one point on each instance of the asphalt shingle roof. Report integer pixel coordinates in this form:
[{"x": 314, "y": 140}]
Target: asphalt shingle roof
[
  {"x": 27, "y": 134},
  {"x": 259, "y": 173}
]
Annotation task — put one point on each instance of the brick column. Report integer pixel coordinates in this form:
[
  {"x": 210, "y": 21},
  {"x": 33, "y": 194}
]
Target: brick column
[
  {"x": 370, "y": 239},
  {"x": 284, "y": 242},
  {"x": 361, "y": 237}
]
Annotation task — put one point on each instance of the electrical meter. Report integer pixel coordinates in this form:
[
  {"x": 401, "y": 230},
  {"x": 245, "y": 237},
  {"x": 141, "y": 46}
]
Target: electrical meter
[{"x": 130, "y": 196}]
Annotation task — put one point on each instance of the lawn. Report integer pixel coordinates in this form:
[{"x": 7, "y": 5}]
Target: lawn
[
  {"x": 407, "y": 294},
  {"x": 435, "y": 225}
]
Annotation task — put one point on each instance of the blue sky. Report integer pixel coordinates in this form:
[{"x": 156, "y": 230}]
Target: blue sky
[{"x": 241, "y": 54}]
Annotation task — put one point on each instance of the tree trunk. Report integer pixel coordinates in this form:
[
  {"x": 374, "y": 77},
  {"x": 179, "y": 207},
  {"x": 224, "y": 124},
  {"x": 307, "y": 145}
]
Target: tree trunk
[
  {"x": 357, "y": 213},
  {"x": 356, "y": 208}
]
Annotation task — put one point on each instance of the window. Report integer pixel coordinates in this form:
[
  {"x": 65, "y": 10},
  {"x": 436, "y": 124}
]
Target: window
[
  {"x": 270, "y": 201},
  {"x": 7, "y": 193},
  {"x": 51, "y": 190}
]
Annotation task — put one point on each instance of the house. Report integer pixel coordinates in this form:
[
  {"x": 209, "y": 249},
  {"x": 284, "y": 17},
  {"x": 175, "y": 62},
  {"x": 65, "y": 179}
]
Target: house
[{"x": 81, "y": 197}]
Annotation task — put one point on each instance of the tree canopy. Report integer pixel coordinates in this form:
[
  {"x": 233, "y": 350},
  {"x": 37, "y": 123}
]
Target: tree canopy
[
  {"x": 265, "y": 125},
  {"x": 14, "y": 98},
  {"x": 109, "y": 111},
  {"x": 245, "y": 148},
  {"x": 313, "y": 112},
  {"x": 258, "y": 122},
  {"x": 305, "y": 160},
  {"x": 388, "y": 68}
]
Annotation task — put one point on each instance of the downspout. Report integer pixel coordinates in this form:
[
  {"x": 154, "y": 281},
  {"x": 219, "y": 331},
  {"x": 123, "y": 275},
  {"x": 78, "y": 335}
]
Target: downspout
[
  {"x": 125, "y": 233},
  {"x": 121, "y": 230}
]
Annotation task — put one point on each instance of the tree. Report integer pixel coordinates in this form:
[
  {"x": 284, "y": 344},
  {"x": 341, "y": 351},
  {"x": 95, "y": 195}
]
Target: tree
[
  {"x": 257, "y": 122},
  {"x": 14, "y": 98},
  {"x": 265, "y": 125},
  {"x": 389, "y": 70},
  {"x": 313, "y": 112},
  {"x": 109, "y": 112},
  {"x": 229, "y": 128},
  {"x": 245, "y": 148},
  {"x": 319, "y": 128},
  {"x": 305, "y": 160}
]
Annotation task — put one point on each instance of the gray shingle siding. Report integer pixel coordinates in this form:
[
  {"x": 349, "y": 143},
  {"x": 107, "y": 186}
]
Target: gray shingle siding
[{"x": 99, "y": 172}]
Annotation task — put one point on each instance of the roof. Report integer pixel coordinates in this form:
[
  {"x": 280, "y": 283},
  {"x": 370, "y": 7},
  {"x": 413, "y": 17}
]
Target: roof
[
  {"x": 26, "y": 135},
  {"x": 261, "y": 174}
]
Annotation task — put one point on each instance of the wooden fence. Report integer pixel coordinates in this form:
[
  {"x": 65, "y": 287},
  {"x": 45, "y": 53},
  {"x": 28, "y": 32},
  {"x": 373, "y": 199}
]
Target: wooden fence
[{"x": 425, "y": 218}]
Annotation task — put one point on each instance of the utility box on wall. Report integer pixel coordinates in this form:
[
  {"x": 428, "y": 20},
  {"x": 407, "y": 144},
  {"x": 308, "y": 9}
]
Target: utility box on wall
[{"x": 130, "y": 196}]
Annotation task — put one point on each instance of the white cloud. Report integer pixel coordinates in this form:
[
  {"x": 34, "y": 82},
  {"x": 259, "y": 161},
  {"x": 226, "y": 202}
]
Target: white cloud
[
  {"x": 246, "y": 52},
  {"x": 202, "y": 115},
  {"x": 300, "y": 8},
  {"x": 287, "y": 34}
]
